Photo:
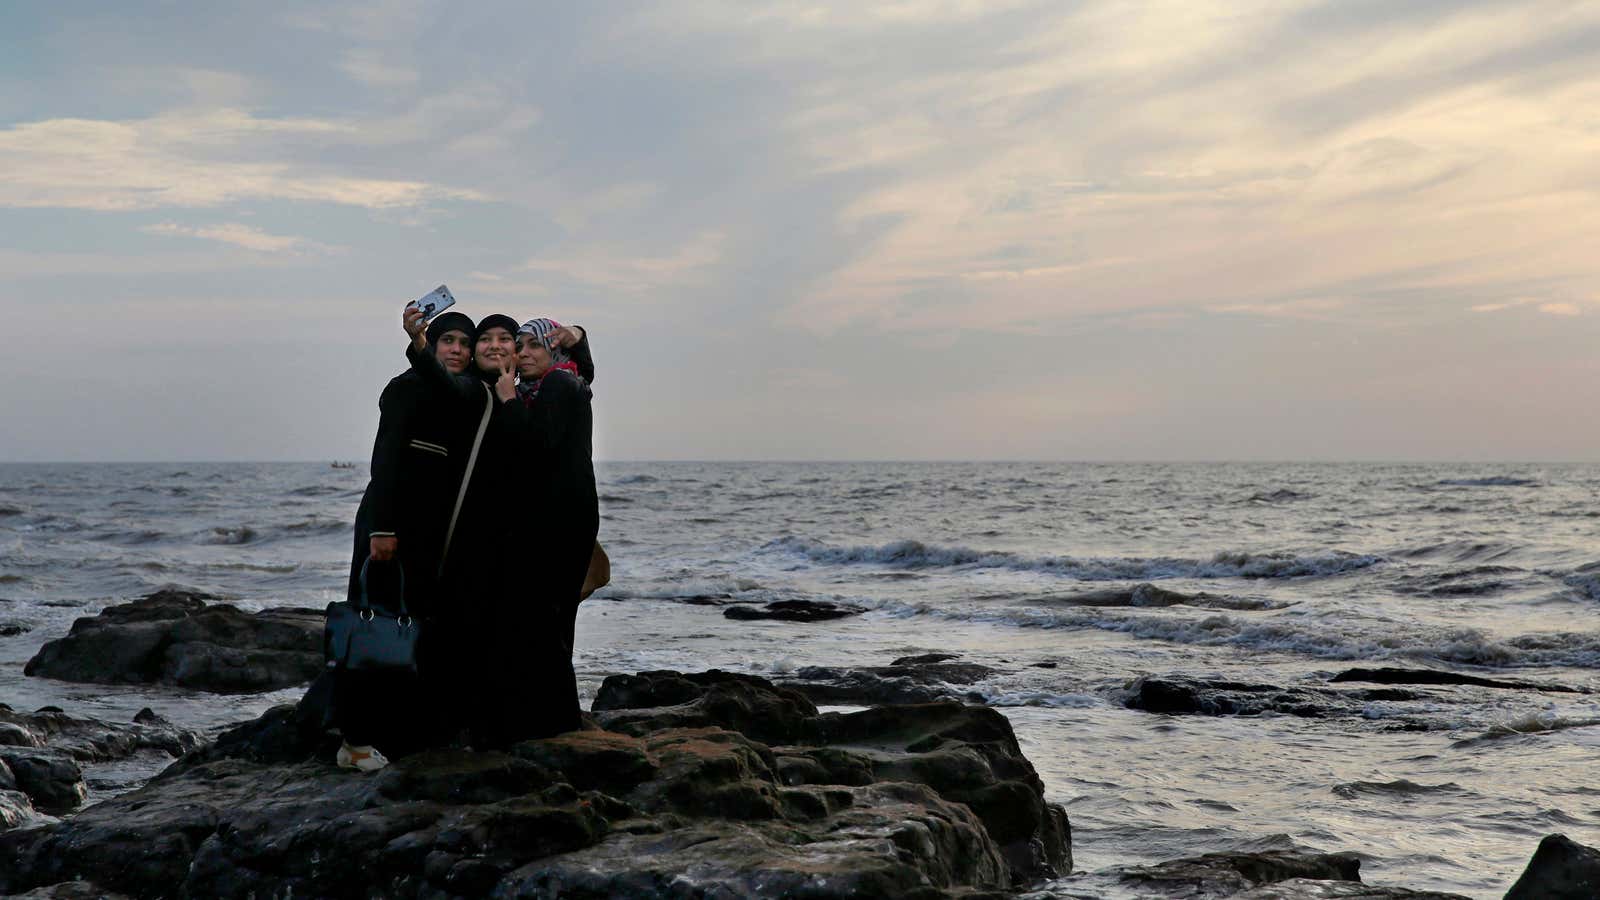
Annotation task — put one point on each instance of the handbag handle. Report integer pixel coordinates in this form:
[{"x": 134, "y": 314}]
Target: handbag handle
[{"x": 366, "y": 603}]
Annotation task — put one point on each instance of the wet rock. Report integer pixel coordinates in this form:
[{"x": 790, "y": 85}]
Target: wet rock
[
  {"x": 50, "y": 779},
  {"x": 1313, "y": 889},
  {"x": 1182, "y": 694},
  {"x": 1561, "y": 869},
  {"x": 40, "y": 753},
  {"x": 71, "y": 890},
  {"x": 795, "y": 611},
  {"x": 15, "y": 807},
  {"x": 1435, "y": 676},
  {"x": 1228, "y": 874},
  {"x": 650, "y": 701},
  {"x": 913, "y": 679},
  {"x": 178, "y": 638},
  {"x": 88, "y": 740},
  {"x": 938, "y": 803},
  {"x": 12, "y": 629},
  {"x": 925, "y": 658}
]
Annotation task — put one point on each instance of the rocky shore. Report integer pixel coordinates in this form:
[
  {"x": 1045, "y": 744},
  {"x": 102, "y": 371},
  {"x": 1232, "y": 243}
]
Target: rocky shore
[{"x": 710, "y": 784}]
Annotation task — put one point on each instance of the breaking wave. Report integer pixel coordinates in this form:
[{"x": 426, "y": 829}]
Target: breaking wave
[
  {"x": 1150, "y": 596},
  {"x": 1227, "y": 564},
  {"x": 1493, "y": 481}
]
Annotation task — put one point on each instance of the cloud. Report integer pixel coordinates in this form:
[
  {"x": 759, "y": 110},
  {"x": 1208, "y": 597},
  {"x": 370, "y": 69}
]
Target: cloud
[
  {"x": 188, "y": 159},
  {"x": 1503, "y": 305},
  {"x": 369, "y": 66},
  {"x": 1560, "y": 309},
  {"x": 620, "y": 269},
  {"x": 1195, "y": 156},
  {"x": 241, "y": 235}
]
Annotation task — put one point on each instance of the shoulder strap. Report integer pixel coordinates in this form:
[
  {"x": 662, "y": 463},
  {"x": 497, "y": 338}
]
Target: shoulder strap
[{"x": 466, "y": 476}]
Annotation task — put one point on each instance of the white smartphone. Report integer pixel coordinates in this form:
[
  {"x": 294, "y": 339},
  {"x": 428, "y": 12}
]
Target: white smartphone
[{"x": 434, "y": 302}]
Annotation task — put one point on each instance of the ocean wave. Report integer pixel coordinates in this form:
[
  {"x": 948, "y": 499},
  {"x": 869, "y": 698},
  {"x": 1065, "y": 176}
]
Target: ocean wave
[
  {"x": 7, "y": 509},
  {"x": 684, "y": 589},
  {"x": 1228, "y": 564},
  {"x": 1492, "y": 481},
  {"x": 1476, "y": 581},
  {"x": 1281, "y": 495},
  {"x": 1042, "y": 699},
  {"x": 1318, "y": 638},
  {"x": 1540, "y": 722},
  {"x": 317, "y": 525},
  {"x": 1585, "y": 581},
  {"x": 140, "y": 536},
  {"x": 637, "y": 479},
  {"x": 315, "y": 490},
  {"x": 237, "y": 534},
  {"x": 1150, "y": 596},
  {"x": 9, "y": 578},
  {"x": 1463, "y": 551},
  {"x": 1401, "y": 788}
]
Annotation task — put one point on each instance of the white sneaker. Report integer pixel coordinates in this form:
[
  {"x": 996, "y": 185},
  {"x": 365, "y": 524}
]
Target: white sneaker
[{"x": 365, "y": 759}]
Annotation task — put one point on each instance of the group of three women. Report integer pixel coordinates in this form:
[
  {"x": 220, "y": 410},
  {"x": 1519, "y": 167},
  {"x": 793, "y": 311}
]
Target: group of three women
[{"x": 481, "y": 514}]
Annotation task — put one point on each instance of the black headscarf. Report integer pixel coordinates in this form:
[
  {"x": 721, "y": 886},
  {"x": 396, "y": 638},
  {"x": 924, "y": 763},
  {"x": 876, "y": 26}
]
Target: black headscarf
[
  {"x": 493, "y": 320},
  {"x": 450, "y": 321},
  {"x": 496, "y": 320}
]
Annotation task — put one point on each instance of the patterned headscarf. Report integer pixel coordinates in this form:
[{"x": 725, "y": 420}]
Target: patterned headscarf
[{"x": 541, "y": 329}]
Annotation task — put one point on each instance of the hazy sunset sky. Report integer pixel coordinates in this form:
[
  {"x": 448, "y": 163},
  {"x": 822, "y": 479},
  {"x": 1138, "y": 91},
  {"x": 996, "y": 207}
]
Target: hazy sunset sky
[{"x": 951, "y": 230}]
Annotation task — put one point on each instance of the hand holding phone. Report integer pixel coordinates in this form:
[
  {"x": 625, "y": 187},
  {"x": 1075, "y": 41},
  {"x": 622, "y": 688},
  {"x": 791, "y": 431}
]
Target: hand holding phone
[{"x": 434, "y": 302}]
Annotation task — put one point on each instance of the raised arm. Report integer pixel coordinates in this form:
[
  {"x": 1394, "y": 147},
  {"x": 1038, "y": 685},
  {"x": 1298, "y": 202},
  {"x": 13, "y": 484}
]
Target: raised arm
[{"x": 575, "y": 340}]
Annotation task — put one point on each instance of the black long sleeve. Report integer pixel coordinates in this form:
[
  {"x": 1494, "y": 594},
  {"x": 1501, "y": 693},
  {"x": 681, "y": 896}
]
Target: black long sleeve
[
  {"x": 582, "y": 357},
  {"x": 545, "y": 425},
  {"x": 396, "y": 408},
  {"x": 463, "y": 387}
]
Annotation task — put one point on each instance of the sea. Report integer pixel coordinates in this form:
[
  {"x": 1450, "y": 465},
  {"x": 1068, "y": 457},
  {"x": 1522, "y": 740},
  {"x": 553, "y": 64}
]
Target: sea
[{"x": 1286, "y": 574}]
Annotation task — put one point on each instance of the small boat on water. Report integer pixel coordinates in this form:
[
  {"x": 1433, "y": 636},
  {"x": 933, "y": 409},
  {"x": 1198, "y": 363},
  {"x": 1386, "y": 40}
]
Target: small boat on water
[{"x": 343, "y": 465}]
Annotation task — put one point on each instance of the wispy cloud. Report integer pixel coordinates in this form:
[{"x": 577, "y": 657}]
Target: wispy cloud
[
  {"x": 190, "y": 159},
  {"x": 241, "y": 235}
]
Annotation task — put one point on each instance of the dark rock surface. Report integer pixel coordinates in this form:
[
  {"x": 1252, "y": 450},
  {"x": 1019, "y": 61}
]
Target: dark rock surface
[
  {"x": 12, "y": 629},
  {"x": 71, "y": 890},
  {"x": 927, "y": 678},
  {"x": 1218, "y": 697},
  {"x": 1435, "y": 676},
  {"x": 795, "y": 611},
  {"x": 176, "y": 637},
  {"x": 41, "y": 752},
  {"x": 921, "y": 802},
  {"x": 1561, "y": 869},
  {"x": 1275, "y": 874}
]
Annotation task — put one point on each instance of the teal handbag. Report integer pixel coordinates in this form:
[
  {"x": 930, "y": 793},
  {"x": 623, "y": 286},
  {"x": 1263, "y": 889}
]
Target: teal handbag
[{"x": 364, "y": 637}]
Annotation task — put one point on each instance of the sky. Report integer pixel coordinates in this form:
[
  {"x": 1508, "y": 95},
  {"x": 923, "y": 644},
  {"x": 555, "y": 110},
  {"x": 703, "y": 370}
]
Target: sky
[{"x": 926, "y": 229}]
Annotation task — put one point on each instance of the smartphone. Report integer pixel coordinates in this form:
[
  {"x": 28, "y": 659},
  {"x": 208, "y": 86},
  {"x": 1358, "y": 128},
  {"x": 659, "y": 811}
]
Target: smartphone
[{"x": 434, "y": 302}]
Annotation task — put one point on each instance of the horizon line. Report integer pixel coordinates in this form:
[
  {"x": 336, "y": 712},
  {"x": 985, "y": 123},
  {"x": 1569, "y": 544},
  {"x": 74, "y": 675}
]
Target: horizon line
[{"x": 330, "y": 461}]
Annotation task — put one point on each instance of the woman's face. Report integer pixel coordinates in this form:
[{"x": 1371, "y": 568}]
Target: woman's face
[
  {"x": 495, "y": 347},
  {"x": 453, "y": 351},
  {"x": 533, "y": 360}
]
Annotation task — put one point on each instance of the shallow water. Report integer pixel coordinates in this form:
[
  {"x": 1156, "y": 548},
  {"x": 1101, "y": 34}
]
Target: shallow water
[{"x": 1290, "y": 573}]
